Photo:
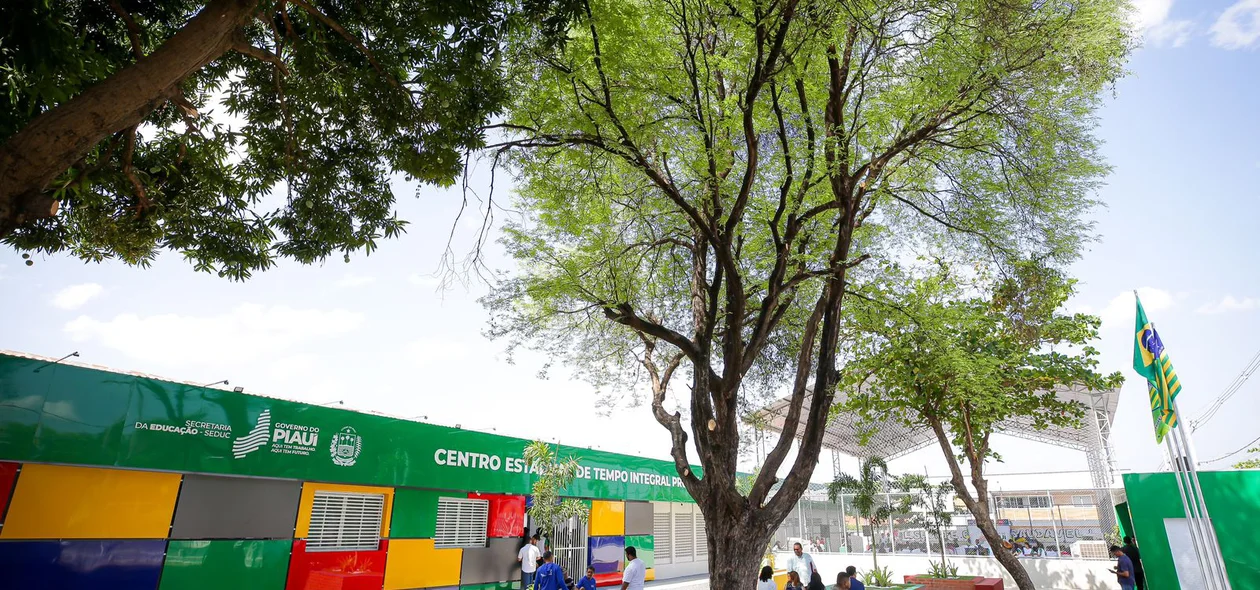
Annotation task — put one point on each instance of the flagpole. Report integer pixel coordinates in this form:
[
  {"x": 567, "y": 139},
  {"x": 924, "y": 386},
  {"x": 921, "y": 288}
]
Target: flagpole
[
  {"x": 1191, "y": 527},
  {"x": 1213, "y": 544}
]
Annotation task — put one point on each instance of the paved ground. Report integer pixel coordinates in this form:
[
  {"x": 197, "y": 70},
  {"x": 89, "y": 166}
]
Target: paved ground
[{"x": 700, "y": 582}]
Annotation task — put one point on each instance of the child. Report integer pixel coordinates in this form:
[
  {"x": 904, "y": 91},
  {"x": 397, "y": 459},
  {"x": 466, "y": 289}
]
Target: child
[{"x": 588, "y": 581}]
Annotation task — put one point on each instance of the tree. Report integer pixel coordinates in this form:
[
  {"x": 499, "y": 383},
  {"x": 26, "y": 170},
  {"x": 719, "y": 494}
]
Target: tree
[
  {"x": 549, "y": 511},
  {"x": 109, "y": 151},
  {"x": 962, "y": 366},
  {"x": 869, "y": 490},
  {"x": 936, "y": 502},
  {"x": 699, "y": 185},
  {"x": 1252, "y": 463}
]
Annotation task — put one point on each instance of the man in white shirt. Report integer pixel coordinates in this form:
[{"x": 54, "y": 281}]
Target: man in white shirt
[
  {"x": 801, "y": 563},
  {"x": 528, "y": 558},
  {"x": 635, "y": 573}
]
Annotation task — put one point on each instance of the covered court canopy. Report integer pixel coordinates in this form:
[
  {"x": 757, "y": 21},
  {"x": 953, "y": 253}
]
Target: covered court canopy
[{"x": 893, "y": 439}]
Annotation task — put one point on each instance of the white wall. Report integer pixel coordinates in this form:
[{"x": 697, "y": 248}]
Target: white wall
[{"x": 1046, "y": 574}]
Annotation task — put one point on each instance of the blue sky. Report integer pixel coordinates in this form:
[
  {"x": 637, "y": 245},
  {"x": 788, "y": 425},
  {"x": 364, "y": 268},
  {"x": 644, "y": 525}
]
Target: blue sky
[{"x": 1183, "y": 210}]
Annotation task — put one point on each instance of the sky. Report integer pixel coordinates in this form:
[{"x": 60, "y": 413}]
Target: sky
[{"x": 1181, "y": 225}]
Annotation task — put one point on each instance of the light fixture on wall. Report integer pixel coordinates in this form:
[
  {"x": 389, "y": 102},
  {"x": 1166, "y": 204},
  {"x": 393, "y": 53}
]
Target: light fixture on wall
[
  {"x": 75, "y": 353},
  {"x": 222, "y": 382},
  {"x": 238, "y": 389}
]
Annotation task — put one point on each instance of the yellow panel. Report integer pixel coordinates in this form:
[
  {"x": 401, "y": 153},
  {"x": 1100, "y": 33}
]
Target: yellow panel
[
  {"x": 651, "y": 575},
  {"x": 308, "y": 498},
  {"x": 608, "y": 519},
  {"x": 414, "y": 563},
  {"x": 780, "y": 578},
  {"x": 59, "y": 502}
]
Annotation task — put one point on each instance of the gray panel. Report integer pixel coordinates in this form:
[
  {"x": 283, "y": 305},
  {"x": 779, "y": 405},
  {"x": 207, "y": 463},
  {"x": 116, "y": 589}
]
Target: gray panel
[
  {"x": 495, "y": 563},
  {"x": 213, "y": 507},
  {"x": 638, "y": 518}
]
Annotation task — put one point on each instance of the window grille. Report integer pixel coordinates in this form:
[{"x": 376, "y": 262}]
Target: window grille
[
  {"x": 663, "y": 538},
  {"x": 702, "y": 538},
  {"x": 343, "y": 521},
  {"x": 461, "y": 522},
  {"x": 684, "y": 536}
]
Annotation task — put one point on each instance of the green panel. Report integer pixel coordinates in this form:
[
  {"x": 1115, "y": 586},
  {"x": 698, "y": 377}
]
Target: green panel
[
  {"x": 645, "y": 546},
  {"x": 415, "y": 514},
  {"x": 206, "y": 565},
  {"x": 71, "y": 414},
  {"x": 1152, "y": 497}
]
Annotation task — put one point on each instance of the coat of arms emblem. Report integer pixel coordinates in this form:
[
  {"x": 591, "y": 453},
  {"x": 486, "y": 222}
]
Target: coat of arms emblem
[{"x": 346, "y": 446}]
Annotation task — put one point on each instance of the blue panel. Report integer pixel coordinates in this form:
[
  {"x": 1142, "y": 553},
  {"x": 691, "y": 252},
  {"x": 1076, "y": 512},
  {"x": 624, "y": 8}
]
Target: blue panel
[
  {"x": 606, "y": 554},
  {"x": 81, "y": 565}
]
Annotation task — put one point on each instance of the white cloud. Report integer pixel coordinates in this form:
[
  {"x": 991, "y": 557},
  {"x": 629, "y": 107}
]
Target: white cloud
[
  {"x": 1230, "y": 303},
  {"x": 1238, "y": 27},
  {"x": 353, "y": 280},
  {"x": 434, "y": 352},
  {"x": 1151, "y": 18},
  {"x": 424, "y": 280},
  {"x": 1121, "y": 309},
  {"x": 74, "y": 296},
  {"x": 247, "y": 332}
]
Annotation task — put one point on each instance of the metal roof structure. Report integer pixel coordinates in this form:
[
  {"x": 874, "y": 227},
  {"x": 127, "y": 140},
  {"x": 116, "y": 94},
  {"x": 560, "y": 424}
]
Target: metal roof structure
[{"x": 892, "y": 438}]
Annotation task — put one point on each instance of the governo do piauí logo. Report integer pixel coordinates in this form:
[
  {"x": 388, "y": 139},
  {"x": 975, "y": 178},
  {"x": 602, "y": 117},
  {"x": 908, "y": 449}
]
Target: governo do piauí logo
[
  {"x": 287, "y": 439},
  {"x": 346, "y": 446},
  {"x": 256, "y": 438}
]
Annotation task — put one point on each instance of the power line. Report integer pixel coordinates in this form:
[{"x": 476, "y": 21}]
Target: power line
[
  {"x": 1244, "y": 447},
  {"x": 1229, "y": 392}
]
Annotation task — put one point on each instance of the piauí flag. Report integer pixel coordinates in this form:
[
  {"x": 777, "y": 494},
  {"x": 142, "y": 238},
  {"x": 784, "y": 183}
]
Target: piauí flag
[{"x": 1151, "y": 361}]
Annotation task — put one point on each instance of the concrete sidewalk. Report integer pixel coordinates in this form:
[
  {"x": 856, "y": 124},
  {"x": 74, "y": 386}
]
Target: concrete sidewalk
[{"x": 700, "y": 582}]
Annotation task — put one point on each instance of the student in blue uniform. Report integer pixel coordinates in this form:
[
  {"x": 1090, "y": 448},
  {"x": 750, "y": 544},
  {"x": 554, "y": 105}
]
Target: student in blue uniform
[
  {"x": 588, "y": 581},
  {"x": 549, "y": 576},
  {"x": 854, "y": 582}
]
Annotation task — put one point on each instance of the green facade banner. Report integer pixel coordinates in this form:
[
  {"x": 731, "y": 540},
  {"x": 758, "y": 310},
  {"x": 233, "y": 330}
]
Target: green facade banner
[{"x": 76, "y": 415}]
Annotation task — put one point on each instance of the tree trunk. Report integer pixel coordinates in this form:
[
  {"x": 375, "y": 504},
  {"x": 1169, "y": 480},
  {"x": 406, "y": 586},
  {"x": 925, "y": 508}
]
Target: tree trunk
[
  {"x": 735, "y": 553},
  {"x": 58, "y": 138},
  {"x": 1004, "y": 557}
]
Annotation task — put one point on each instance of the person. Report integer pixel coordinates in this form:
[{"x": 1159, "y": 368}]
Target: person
[
  {"x": 844, "y": 581},
  {"x": 854, "y": 582},
  {"x": 1123, "y": 569},
  {"x": 528, "y": 558},
  {"x": 794, "y": 581},
  {"x": 801, "y": 562},
  {"x": 816, "y": 583},
  {"x": 766, "y": 580},
  {"x": 635, "y": 573},
  {"x": 1131, "y": 550},
  {"x": 550, "y": 576},
  {"x": 588, "y": 581}
]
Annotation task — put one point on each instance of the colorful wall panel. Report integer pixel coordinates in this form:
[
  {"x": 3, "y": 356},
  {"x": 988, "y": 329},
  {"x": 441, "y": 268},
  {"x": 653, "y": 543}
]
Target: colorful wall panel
[
  {"x": 607, "y": 518},
  {"x": 216, "y": 507},
  {"x": 415, "y": 513},
  {"x": 491, "y": 564},
  {"x": 507, "y": 514},
  {"x": 606, "y": 553},
  {"x": 638, "y": 518},
  {"x": 224, "y": 564},
  {"x": 59, "y": 502},
  {"x": 308, "y": 499},
  {"x": 81, "y": 565},
  {"x": 344, "y": 570},
  {"x": 415, "y": 563},
  {"x": 645, "y": 546},
  {"x": 8, "y": 478}
]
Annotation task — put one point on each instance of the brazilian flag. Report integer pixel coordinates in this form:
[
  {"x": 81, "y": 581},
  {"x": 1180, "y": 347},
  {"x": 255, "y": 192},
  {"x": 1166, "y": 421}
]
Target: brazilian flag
[{"x": 1151, "y": 361}]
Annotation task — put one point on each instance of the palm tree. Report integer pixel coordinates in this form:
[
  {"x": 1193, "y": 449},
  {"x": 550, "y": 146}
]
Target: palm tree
[{"x": 868, "y": 491}]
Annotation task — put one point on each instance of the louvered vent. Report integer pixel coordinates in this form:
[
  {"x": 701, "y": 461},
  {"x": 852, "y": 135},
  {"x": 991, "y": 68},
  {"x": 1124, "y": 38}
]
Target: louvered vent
[
  {"x": 662, "y": 536},
  {"x": 461, "y": 522},
  {"x": 684, "y": 537},
  {"x": 342, "y": 521},
  {"x": 702, "y": 538}
]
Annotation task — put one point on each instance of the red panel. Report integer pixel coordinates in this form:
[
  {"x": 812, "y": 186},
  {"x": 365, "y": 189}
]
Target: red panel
[
  {"x": 8, "y": 475},
  {"x": 507, "y": 514},
  {"x": 990, "y": 584},
  {"x": 613, "y": 579},
  {"x": 336, "y": 570}
]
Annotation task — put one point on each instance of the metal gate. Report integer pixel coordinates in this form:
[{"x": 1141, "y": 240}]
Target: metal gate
[{"x": 569, "y": 547}]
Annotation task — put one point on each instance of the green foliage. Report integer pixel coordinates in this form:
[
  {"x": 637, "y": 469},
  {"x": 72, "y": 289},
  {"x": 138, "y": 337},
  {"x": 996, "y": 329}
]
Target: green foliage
[
  {"x": 250, "y": 161},
  {"x": 942, "y": 570},
  {"x": 868, "y": 491},
  {"x": 1252, "y": 463},
  {"x": 879, "y": 576},
  {"x": 935, "y": 503},
  {"x": 549, "y": 510}
]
